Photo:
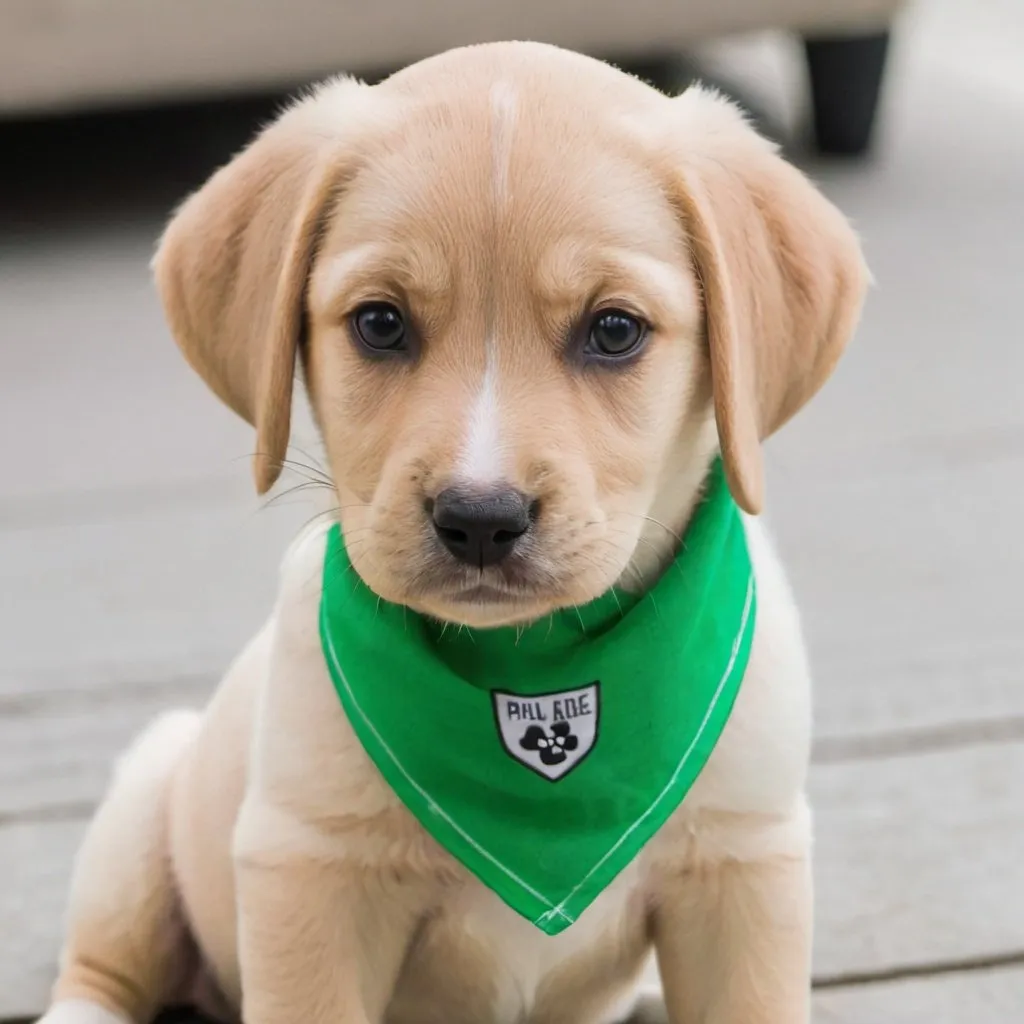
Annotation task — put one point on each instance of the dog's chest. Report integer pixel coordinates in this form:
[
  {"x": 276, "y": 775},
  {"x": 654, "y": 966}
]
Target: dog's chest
[{"x": 479, "y": 962}]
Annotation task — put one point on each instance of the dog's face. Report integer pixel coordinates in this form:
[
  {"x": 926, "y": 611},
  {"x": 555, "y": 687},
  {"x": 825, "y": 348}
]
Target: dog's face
[
  {"x": 503, "y": 350},
  {"x": 526, "y": 289}
]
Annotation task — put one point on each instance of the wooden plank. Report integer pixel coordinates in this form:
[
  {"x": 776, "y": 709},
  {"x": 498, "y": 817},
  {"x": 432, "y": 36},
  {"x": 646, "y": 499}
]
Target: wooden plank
[
  {"x": 908, "y": 585},
  {"x": 167, "y": 593},
  {"x": 920, "y": 860},
  {"x": 95, "y": 389},
  {"x": 35, "y": 865},
  {"x": 987, "y": 996},
  {"x": 58, "y": 749},
  {"x": 119, "y": 406}
]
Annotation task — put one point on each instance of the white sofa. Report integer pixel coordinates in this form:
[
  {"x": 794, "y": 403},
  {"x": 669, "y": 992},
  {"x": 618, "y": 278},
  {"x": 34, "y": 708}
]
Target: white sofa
[{"x": 60, "y": 55}]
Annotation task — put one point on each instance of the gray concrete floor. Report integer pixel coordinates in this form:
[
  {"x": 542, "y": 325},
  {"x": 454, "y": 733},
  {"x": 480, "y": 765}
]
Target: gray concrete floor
[{"x": 134, "y": 562}]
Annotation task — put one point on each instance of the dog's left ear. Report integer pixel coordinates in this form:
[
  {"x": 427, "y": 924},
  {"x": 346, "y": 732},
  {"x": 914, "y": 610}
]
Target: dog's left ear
[
  {"x": 233, "y": 264},
  {"x": 782, "y": 275}
]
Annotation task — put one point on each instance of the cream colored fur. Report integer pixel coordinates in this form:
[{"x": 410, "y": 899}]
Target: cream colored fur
[{"x": 251, "y": 858}]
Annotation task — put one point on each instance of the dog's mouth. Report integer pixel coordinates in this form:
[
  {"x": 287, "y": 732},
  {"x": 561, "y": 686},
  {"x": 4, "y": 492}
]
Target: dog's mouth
[
  {"x": 504, "y": 587},
  {"x": 486, "y": 593},
  {"x": 484, "y": 606},
  {"x": 498, "y": 595}
]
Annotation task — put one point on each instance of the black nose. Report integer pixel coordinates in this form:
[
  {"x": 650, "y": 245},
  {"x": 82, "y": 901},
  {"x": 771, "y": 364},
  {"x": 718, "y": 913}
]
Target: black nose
[{"x": 481, "y": 528}]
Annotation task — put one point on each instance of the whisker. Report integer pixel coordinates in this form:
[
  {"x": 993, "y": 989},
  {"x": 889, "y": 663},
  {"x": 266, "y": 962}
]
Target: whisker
[
  {"x": 308, "y": 485},
  {"x": 309, "y": 472},
  {"x": 327, "y": 513},
  {"x": 317, "y": 460},
  {"x": 311, "y": 466},
  {"x": 664, "y": 560},
  {"x": 297, "y": 467},
  {"x": 576, "y": 609},
  {"x": 657, "y": 522}
]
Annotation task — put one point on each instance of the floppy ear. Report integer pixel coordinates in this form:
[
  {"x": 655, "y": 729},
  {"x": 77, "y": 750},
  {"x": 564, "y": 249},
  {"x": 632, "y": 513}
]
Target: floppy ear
[
  {"x": 233, "y": 263},
  {"x": 782, "y": 274}
]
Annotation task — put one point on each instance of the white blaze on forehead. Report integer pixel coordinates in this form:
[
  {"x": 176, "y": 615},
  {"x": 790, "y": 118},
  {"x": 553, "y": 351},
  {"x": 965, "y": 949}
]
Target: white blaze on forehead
[
  {"x": 481, "y": 458},
  {"x": 504, "y": 104}
]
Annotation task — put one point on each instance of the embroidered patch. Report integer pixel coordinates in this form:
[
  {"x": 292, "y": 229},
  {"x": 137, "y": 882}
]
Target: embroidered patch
[{"x": 549, "y": 733}]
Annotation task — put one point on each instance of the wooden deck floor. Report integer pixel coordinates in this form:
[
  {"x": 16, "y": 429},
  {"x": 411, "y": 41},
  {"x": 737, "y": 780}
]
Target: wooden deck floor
[{"x": 133, "y": 562}]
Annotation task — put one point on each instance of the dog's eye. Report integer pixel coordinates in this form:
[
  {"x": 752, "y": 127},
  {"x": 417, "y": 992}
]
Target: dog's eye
[
  {"x": 615, "y": 335},
  {"x": 380, "y": 327}
]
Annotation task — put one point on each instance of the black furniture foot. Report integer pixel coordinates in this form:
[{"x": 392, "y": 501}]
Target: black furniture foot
[
  {"x": 846, "y": 77},
  {"x": 664, "y": 71}
]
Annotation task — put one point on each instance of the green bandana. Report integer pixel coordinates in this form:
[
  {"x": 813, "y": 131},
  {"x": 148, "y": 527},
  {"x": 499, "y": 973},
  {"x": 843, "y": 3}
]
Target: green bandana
[{"x": 545, "y": 758}]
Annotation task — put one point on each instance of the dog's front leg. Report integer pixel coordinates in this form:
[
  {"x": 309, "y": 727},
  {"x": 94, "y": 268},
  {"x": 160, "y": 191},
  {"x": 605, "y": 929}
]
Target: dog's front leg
[
  {"x": 321, "y": 938},
  {"x": 733, "y": 941}
]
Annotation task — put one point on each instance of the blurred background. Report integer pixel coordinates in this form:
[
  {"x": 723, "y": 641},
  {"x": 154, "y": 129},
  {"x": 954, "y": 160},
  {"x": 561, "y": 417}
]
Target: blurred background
[{"x": 135, "y": 561}]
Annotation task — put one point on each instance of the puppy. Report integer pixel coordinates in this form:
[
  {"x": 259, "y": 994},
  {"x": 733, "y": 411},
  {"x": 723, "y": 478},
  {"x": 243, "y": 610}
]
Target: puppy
[{"x": 507, "y": 270}]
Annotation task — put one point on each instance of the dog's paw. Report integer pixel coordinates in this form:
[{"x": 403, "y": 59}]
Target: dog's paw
[
  {"x": 81, "y": 1011},
  {"x": 649, "y": 1007}
]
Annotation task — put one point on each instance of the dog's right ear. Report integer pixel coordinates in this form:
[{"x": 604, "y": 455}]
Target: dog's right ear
[{"x": 233, "y": 263}]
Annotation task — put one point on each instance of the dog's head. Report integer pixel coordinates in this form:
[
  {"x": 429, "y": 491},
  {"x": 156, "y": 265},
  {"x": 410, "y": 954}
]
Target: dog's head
[{"x": 531, "y": 297}]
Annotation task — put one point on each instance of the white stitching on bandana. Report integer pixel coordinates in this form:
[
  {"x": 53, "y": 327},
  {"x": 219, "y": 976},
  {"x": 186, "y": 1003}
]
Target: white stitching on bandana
[{"x": 737, "y": 643}]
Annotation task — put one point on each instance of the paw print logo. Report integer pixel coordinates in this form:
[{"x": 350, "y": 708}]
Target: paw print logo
[{"x": 553, "y": 746}]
